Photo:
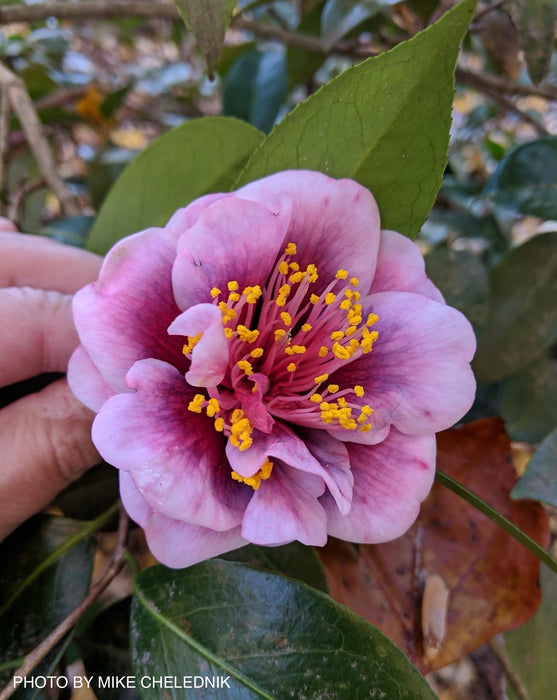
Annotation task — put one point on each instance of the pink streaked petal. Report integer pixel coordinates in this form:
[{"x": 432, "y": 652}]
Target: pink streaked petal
[
  {"x": 210, "y": 356},
  {"x": 401, "y": 268},
  {"x": 335, "y": 223},
  {"x": 173, "y": 542},
  {"x": 185, "y": 218},
  {"x": 417, "y": 377},
  {"x": 286, "y": 508},
  {"x": 233, "y": 239},
  {"x": 390, "y": 481},
  {"x": 86, "y": 381},
  {"x": 123, "y": 316},
  {"x": 176, "y": 457}
]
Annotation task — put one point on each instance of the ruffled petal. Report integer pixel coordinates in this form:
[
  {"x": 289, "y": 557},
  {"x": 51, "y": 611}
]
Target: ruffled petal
[
  {"x": 401, "y": 268},
  {"x": 173, "y": 542},
  {"x": 124, "y": 315},
  {"x": 176, "y": 458},
  {"x": 286, "y": 508},
  {"x": 86, "y": 381},
  {"x": 210, "y": 355},
  {"x": 390, "y": 481},
  {"x": 417, "y": 377},
  {"x": 233, "y": 240},
  {"x": 185, "y": 218},
  {"x": 335, "y": 223}
]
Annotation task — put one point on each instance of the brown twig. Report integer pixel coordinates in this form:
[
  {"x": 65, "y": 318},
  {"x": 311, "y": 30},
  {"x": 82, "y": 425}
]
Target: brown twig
[
  {"x": 510, "y": 106},
  {"x": 513, "y": 677},
  {"x": 37, "y": 655},
  {"x": 87, "y": 9},
  {"x": 480, "y": 14},
  {"x": 17, "y": 197},
  {"x": 492, "y": 83}
]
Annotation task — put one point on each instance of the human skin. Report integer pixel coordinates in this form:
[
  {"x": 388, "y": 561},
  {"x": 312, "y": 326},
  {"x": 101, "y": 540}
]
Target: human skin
[{"x": 45, "y": 441}]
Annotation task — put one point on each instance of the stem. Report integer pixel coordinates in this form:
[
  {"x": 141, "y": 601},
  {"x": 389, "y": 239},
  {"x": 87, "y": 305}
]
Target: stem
[
  {"x": 494, "y": 515},
  {"x": 513, "y": 677}
]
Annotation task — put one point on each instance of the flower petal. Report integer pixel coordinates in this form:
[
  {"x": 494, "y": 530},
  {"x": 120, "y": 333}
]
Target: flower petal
[
  {"x": 123, "y": 316},
  {"x": 335, "y": 223},
  {"x": 401, "y": 268},
  {"x": 417, "y": 377},
  {"x": 173, "y": 542},
  {"x": 286, "y": 508},
  {"x": 185, "y": 218},
  {"x": 233, "y": 240},
  {"x": 176, "y": 458},
  {"x": 391, "y": 479},
  {"x": 86, "y": 381},
  {"x": 210, "y": 355}
]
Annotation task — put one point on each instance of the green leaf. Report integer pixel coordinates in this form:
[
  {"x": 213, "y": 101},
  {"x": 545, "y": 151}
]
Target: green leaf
[
  {"x": 535, "y": 21},
  {"x": 532, "y": 648},
  {"x": 528, "y": 406},
  {"x": 462, "y": 279},
  {"x": 254, "y": 88},
  {"x": 384, "y": 123},
  {"x": 272, "y": 637},
  {"x": 193, "y": 159},
  {"x": 294, "y": 560},
  {"x": 540, "y": 480},
  {"x": 207, "y": 20},
  {"x": 522, "y": 316},
  {"x": 526, "y": 179},
  {"x": 302, "y": 64},
  {"x": 341, "y": 16}
]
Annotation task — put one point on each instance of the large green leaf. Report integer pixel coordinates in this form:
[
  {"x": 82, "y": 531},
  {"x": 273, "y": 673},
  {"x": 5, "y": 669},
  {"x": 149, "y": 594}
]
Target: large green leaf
[
  {"x": 540, "y": 480},
  {"x": 207, "y": 20},
  {"x": 535, "y": 21},
  {"x": 204, "y": 155},
  {"x": 269, "y": 636},
  {"x": 526, "y": 179},
  {"x": 384, "y": 123},
  {"x": 522, "y": 316}
]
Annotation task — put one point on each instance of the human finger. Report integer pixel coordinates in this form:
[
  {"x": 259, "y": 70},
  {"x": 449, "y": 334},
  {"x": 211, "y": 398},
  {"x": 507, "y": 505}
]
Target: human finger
[
  {"x": 36, "y": 261},
  {"x": 7, "y": 225}
]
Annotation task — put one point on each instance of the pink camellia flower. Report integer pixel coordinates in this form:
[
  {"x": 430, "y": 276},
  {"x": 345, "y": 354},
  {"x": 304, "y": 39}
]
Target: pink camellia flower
[{"x": 270, "y": 366}]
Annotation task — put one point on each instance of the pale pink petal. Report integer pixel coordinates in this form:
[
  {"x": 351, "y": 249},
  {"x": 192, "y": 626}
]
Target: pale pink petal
[
  {"x": 124, "y": 316},
  {"x": 335, "y": 223},
  {"x": 286, "y": 508},
  {"x": 173, "y": 542},
  {"x": 86, "y": 381},
  {"x": 390, "y": 481},
  {"x": 185, "y": 218},
  {"x": 401, "y": 268},
  {"x": 417, "y": 377},
  {"x": 175, "y": 457},
  {"x": 233, "y": 240},
  {"x": 210, "y": 355}
]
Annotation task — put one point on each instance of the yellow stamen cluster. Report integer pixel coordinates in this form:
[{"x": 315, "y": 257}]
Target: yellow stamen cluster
[
  {"x": 255, "y": 481},
  {"x": 192, "y": 342},
  {"x": 240, "y": 430},
  {"x": 340, "y": 413}
]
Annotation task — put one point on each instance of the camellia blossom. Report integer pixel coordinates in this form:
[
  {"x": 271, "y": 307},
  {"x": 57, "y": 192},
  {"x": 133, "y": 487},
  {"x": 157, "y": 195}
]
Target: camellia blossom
[{"x": 270, "y": 366}]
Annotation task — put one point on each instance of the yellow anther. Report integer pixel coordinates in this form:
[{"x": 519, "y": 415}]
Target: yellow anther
[
  {"x": 330, "y": 298},
  {"x": 266, "y": 469},
  {"x": 291, "y": 249},
  {"x": 294, "y": 266},
  {"x": 213, "y": 407},
  {"x": 192, "y": 342},
  {"x": 342, "y": 403},
  {"x": 337, "y": 335},
  {"x": 256, "y": 352},
  {"x": 196, "y": 404},
  {"x": 232, "y": 286},
  {"x": 298, "y": 349},
  {"x": 252, "y": 294},
  {"x": 341, "y": 352},
  {"x": 356, "y": 296},
  {"x": 314, "y": 299},
  {"x": 291, "y": 367},
  {"x": 286, "y": 318},
  {"x": 296, "y": 277},
  {"x": 247, "y": 335},
  {"x": 229, "y": 332},
  {"x": 219, "y": 425},
  {"x": 345, "y": 305},
  {"x": 255, "y": 481},
  {"x": 321, "y": 378},
  {"x": 215, "y": 292},
  {"x": 354, "y": 281},
  {"x": 237, "y": 414},
  {"x": 280, "y": 300},
  {"x": 341, "y": 274},
  {"x": 307, "y": 327},
  {"x": 366, "y": 410},
  {"x": 359, "y": 390},
  {"x": 368, "y": 339},
  {"x": 323, "y": 351},
  {"x": 333, "y": 388},
  {"x": 365, "y": 428},
  {"x": 283, "y": 267},
  {"x": 351, "y": 330},
  {"x": 279, "y": 333},
  {"x": 316, "y": 398},
  {"x": 371, "y": 319},
  {"x": 227, "y": 314},
  {"x": 246, "y": 367},
  {"x": 311, "y": 270},
  {"x": 233, "y": 296}
]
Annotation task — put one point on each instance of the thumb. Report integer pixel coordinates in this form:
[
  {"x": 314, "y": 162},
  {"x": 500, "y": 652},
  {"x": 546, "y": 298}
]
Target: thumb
[{"x": 45, "y": 443}]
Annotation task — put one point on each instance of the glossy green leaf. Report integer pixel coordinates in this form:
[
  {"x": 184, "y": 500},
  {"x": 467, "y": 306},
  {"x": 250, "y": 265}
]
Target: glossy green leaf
[
  {"x": 302, "y": 64},
  {"x": 526, "y": 179},
  {"x": 535, "y": 21},
  {"x": 522, "y": 316},
  {"x": 294, "y": 560},
  {"x": 529, "y": 407},
  {"x": 384, "y": 123},
  {"x": 341, "y": 16},
  {"x": 254, "y": 88},
  {"x": 532, "y": 648},
  {"x": 201, "y": 156},
  {"x": 462, "y": 279},
  {"x": 207, "y": 20},
  {"x": 270, "y": 637},
  {"x": 540, "y": 480}
]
